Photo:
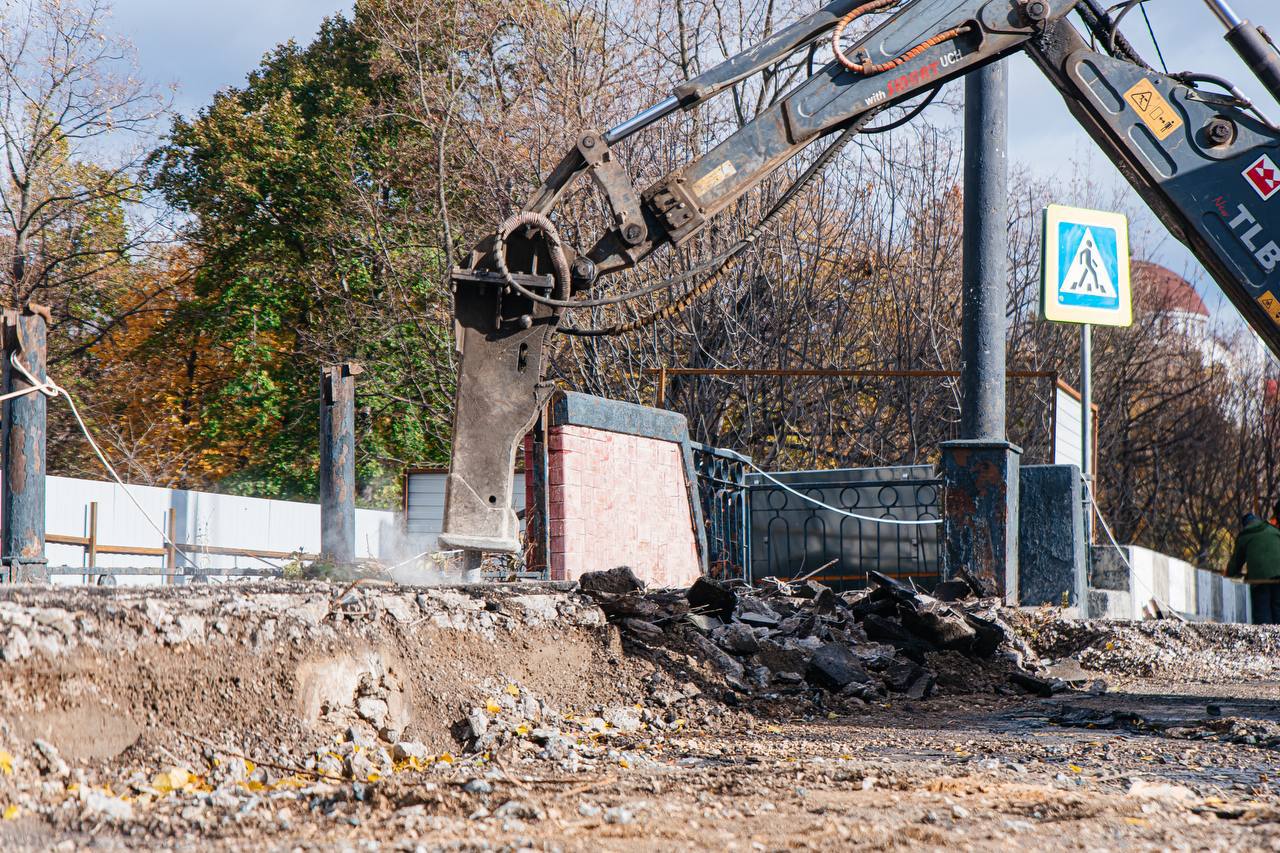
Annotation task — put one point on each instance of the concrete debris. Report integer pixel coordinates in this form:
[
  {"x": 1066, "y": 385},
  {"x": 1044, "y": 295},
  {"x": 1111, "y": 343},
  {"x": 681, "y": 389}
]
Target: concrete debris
[
  {"x": 794, "y": 638},
  {"x": 539, "y": 717},
  {"x": 1202, "y": 651},
  {"x": 619, "y": 581}
]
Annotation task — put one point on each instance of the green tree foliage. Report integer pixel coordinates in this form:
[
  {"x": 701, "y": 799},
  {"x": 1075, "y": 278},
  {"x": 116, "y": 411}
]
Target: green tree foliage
[{"x": 316, "y": 245}]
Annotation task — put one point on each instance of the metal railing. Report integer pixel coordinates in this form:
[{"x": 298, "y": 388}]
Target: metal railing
[
  {"x": 791, "y": 536},
  {"x": 722, "y": 491}
]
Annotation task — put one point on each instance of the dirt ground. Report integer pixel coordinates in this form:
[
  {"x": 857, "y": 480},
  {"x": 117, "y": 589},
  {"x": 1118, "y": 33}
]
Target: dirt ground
[{"x": 321, "y": 716}]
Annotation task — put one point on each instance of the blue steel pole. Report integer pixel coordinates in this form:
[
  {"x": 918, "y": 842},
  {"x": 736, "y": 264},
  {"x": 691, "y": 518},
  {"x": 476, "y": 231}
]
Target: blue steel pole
[{"x": 23, "y": 433}]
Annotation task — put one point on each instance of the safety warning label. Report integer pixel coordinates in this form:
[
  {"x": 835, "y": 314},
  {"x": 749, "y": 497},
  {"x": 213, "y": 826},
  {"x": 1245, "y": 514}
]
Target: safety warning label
[{"x": 1153, "y": 109}]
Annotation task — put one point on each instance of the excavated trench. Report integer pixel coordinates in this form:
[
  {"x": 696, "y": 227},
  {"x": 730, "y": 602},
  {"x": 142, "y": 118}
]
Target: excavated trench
[{"x": 98, "y": 673}]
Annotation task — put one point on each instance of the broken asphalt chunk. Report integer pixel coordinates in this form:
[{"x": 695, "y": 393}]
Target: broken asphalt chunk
[
  {"x": 1034, "y": 684},
  {"x": 952, "y": 590},
  {"x": 712, "y": 598},
  {"x": 736, "y": 638},
  {"x": 617, "y": 581},
  {"x": 834, "y": 667}
]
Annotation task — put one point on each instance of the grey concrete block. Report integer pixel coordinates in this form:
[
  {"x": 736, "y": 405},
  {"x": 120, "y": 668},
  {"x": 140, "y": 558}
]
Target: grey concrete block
[
  {"x": 1107, "y": 570},
  {"x": 1110, "y": 604},
  {"x": 1051, "y": 546}
]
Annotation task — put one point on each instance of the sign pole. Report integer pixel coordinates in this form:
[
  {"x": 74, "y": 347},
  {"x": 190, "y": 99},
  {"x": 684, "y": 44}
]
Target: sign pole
[{"x": 1086, "y": 425}]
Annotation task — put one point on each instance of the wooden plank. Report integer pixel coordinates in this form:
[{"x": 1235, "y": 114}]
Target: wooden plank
[{"x": 59, "y": 539}]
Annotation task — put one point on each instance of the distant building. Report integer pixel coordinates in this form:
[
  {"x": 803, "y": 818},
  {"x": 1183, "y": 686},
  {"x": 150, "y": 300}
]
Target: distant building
[{"x": 1162, "y": 291}]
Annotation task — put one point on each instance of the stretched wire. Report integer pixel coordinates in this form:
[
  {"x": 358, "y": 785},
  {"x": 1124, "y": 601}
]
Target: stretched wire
[
  {"x": 1124, "y": 558},
  {"x": 52, "y": 389},
  {"x": 1154, "y": 41},
  {"x": 827, "y": 506}
]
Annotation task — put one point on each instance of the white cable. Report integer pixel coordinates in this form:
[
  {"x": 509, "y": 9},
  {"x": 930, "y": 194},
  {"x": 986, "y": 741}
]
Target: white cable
[
  {"x": 52, "y": 389},
  {"x": 837, "y": 510},
  {"x": 1088, "y": 487}
]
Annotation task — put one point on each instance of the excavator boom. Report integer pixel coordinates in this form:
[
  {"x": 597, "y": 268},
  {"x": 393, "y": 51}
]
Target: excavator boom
[{"x": 1204, "y": 158}]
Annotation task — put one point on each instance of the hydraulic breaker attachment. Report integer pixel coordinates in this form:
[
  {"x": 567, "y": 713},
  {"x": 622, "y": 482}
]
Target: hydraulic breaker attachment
[{"x": 501, "y": 336}]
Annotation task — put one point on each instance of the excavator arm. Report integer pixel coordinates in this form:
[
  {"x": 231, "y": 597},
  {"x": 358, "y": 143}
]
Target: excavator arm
[{"x": 1204, "y": 159}]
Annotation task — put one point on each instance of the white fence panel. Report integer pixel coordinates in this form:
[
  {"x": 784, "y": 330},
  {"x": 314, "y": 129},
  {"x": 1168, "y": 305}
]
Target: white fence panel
[
  {"x": 202, "y": 519},
  {"x": 424, "y": 507}
]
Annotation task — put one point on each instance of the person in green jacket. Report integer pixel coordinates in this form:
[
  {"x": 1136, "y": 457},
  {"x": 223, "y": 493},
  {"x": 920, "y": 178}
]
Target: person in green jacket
[{"x": 1258, "y": 550}]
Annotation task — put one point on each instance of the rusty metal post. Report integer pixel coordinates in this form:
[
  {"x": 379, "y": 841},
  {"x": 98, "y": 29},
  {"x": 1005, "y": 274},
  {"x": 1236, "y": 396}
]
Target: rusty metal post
[
  {"x": 91, "y": 548},
  {"x": 338, "y": 463},
  {"x": 980, "y": 472},
  {"x": 171, "y": 546},
  {"x": 23, "y": 440}
]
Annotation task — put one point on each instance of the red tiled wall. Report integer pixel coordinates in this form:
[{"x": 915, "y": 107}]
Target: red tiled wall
[{"x": 618, "y": 500}]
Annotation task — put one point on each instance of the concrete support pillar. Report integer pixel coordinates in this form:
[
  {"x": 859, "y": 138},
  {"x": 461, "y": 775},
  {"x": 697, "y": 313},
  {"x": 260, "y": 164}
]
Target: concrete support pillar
[
  {"x": 1052, "y": 549},
  {"x": 980, "y": 472},
  {"x": 338, "y": 463},
  {"x": 23, "y": 439}
]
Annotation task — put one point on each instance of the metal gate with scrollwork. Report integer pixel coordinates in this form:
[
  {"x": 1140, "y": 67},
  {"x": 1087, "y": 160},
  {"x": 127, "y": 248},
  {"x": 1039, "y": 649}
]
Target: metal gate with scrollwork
[
  {"x": 792, "y": 536},
  {"x": 760, "y": 526}
]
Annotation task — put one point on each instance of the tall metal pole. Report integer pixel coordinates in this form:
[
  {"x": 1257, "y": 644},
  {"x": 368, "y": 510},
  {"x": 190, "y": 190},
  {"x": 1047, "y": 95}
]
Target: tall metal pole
[
  {"x": 24, "y": 430},
  {"x": 1086, "y": 425},
  {"x": 985, "y": 253},
  {"x": 338, "y": 463},
  {"x": 981, "y": 469}
]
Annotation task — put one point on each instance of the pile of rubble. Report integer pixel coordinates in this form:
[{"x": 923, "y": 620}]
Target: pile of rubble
[
  {"x": 1185, "y": 651},
  {"x": 802, "y": 638}
]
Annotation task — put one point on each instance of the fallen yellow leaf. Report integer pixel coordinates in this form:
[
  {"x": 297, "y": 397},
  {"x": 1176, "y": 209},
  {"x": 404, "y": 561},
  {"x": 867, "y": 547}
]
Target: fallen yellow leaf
[
  {"x": 172, "y": 779},
  {"x": 445, "y": 758},
  {"x": 6, "y": 763},
  {"x": 11, "y": 811},
  {"x": 522, "y": 730},
  {"x": 492, "y": 707},
  {"x": 1075, "y": 768},
  {"x": 513, "y": 690}
]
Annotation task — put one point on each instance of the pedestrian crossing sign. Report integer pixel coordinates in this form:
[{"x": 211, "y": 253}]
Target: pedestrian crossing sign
[{"x": 1084, "y": 267}]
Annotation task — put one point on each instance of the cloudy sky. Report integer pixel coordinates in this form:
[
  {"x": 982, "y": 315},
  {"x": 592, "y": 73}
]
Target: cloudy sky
[{"x": 204, "y": 46}]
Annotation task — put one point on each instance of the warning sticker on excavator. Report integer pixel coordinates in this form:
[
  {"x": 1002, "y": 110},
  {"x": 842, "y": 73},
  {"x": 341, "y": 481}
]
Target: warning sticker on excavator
[
  {"x": 1153, "y": 109},
  {"x": 714, "y": 178},
  {"x": 1271, "y": 305}
]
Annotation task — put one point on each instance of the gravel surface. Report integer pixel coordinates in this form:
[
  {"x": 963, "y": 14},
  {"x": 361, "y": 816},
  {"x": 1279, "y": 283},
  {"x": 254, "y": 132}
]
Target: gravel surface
[{"x": 326, "y": 716}]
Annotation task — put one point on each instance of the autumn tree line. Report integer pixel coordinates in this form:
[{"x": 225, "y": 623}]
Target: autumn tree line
[{"x": 201, "y": 268}]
